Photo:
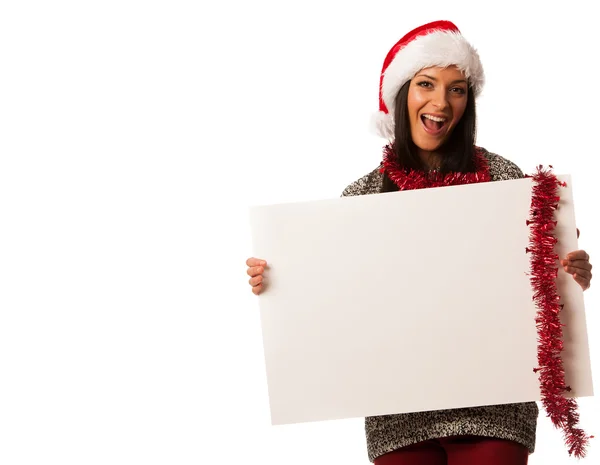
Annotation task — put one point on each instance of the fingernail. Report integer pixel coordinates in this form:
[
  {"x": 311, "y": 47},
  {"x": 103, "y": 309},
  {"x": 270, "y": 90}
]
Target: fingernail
[{"x": 263, "y": 263}]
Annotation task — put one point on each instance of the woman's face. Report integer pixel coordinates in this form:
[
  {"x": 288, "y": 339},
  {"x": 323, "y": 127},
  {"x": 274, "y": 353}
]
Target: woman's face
[{"x": 437, "y": 98}]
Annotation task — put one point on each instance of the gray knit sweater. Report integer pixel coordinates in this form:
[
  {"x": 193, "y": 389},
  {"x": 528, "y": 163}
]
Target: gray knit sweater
[{"x": 516, "y": 422}]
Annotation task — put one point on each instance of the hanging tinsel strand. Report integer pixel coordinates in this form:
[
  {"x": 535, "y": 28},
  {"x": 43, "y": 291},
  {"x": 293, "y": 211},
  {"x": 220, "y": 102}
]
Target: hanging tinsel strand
[{"x": 544, "y": 271}]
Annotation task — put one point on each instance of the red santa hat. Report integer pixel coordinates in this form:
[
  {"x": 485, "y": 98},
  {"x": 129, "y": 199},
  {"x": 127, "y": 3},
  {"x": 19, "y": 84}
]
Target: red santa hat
[{"x": 439, "y": 43}]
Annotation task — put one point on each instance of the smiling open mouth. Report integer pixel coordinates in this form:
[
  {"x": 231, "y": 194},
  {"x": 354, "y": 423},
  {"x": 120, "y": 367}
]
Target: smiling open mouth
[{"x": 433, "y": 125}]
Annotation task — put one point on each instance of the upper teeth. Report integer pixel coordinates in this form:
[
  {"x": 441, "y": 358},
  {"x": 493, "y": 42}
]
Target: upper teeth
[{"x": 435, "y": 118}]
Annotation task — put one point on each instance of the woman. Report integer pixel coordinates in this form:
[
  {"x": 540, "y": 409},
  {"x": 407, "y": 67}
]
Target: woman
[{"x": 429, "y": 83}]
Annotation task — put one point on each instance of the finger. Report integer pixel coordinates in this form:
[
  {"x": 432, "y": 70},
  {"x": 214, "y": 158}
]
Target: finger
[
  {"x": 252, "y": 261},
  {"x": 255, "y": 271},
  {"x": 257, "y": 289},
  {"x": 255, "y": 281},
  {"x": 577, "y": 255},
  {"x": 584, "y": 283},
  {"x": 579, "y": 272},
  {"x": 582, "y": 264}
]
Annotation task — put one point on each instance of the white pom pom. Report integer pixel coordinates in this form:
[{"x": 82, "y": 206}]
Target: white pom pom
[{"x": 382, "y": 124}]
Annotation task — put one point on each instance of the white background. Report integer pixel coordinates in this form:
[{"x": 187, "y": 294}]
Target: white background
[{"x": 134, "y": 137}]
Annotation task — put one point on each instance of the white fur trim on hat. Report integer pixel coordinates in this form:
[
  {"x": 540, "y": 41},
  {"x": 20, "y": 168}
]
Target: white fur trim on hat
[{"x": 382, "y": 124}]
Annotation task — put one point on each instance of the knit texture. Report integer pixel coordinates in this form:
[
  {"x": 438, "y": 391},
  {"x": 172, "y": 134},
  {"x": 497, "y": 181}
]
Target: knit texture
[{"x": 516, "y": 422}]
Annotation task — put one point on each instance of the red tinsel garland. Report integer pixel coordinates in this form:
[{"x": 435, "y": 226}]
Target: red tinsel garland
[
  {"x": 561, "y": 410},
  {"x": 418, "y": 179}
]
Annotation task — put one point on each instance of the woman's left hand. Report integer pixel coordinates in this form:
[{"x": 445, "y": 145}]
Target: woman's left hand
[{"x": 578, "y": 264}]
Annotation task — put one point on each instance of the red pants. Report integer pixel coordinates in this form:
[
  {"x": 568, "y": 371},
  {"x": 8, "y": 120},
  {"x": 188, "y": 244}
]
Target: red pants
[{"x": 464, "y": 450}]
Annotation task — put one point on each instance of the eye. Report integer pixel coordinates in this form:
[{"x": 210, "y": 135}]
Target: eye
[
  {"x": 458, "y": 90},
  {"x": 425, "y": 84}
]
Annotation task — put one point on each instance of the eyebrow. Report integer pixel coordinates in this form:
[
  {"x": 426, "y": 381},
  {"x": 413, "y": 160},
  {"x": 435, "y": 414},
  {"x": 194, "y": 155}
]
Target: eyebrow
[{"x": 434, "y": 79}]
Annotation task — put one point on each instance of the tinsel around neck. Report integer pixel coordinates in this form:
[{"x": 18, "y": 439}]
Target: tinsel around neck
[{"x": 408, "y": 179}]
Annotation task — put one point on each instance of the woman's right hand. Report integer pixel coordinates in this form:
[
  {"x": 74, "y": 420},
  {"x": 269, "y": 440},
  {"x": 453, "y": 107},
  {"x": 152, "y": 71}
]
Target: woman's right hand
[{"x": 256, "y": 267}]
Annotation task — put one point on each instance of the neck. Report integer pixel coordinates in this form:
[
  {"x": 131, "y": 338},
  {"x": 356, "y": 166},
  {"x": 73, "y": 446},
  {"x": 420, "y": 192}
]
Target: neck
[{"x": 431, "y": 160}]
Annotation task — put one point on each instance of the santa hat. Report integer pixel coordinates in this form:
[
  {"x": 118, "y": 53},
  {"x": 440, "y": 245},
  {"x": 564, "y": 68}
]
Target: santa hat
[{"x": 439, "y": 43}]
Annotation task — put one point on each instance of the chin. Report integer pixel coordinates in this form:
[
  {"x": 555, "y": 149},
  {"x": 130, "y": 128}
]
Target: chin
[{"x": 430, "y": 146}]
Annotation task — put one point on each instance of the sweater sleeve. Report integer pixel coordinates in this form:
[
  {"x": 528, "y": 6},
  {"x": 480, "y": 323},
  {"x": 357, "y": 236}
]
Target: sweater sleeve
[
  {"x": 368, "y": 184},
  {"x": 502, "y": 169}
]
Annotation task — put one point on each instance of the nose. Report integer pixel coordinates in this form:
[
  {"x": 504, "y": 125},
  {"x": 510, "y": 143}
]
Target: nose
[{"x": 440, "y": 99}]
